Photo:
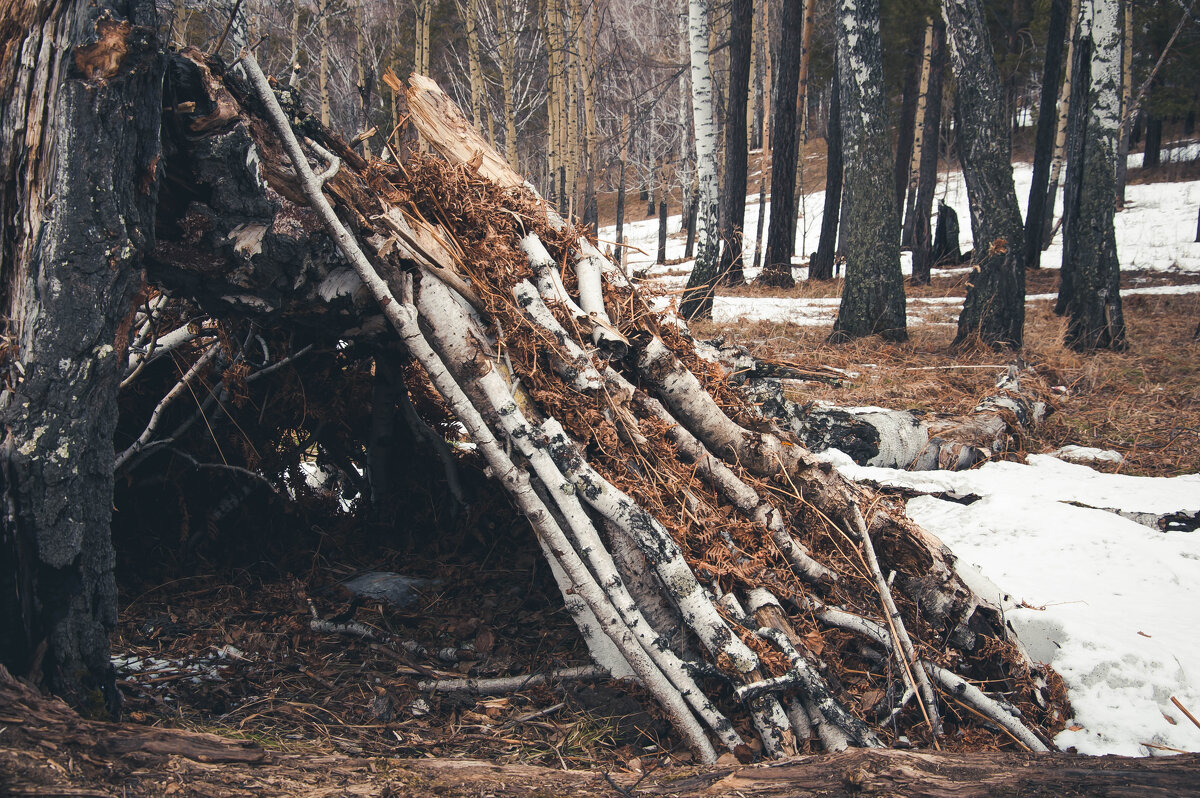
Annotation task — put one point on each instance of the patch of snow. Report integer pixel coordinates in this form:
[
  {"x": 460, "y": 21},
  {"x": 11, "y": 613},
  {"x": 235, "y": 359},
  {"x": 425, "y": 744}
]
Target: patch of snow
[
  {"x": 1087, "y": 454},
  {"x": 1108, "y": 602}
]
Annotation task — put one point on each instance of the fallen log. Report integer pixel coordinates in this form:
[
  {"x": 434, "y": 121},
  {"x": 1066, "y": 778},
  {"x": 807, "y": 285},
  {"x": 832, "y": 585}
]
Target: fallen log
[
  {"x": 914, "y": 440},
  {"x": 47, "y": 749}
]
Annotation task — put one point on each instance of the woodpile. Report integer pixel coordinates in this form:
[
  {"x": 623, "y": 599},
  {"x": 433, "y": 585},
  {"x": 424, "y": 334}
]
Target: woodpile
[{"x": 768, "y": 605}]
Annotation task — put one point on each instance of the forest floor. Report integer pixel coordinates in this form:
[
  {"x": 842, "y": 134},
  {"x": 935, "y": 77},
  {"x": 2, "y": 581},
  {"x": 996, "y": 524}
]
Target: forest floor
[{"x": 223, "y": 645}]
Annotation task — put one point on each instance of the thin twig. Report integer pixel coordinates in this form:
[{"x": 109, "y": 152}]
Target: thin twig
[
  {"x": 237, "y": 6},
  {"x": 1184, "y": 710},
  {"x": 156, "y": 416},
  {"x": 904, "y": 647}
]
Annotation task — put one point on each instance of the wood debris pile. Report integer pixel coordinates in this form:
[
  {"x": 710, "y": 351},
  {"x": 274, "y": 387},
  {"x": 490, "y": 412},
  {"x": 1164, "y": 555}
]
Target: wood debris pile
[{"x": 767, "y": 604}]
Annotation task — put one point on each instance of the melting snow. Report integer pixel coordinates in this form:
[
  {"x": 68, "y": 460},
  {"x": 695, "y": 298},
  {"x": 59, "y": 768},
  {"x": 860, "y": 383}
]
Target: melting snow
[{"x": 1109, "y": 602}]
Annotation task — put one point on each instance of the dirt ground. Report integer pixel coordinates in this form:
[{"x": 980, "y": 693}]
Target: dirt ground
[{"x": 1143, "y": 403}]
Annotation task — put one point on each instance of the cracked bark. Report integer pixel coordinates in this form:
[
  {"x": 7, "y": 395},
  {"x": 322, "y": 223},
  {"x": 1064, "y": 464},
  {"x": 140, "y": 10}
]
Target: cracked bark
[{"x": 79, "y": 115}]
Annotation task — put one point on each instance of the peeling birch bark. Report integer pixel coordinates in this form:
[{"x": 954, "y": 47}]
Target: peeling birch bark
[{"x": 404, "y": 318}]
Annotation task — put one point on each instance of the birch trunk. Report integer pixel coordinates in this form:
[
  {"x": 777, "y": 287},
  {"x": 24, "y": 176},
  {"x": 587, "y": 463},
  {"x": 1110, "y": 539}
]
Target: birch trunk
[
  {"x": 1091, "y": 274},
  {"x": 1126, "y": 99},
  {"x": 906, "y": 133},
  {"x": 873, "y": 295},
  {"x": 323, "y": 73},
  {"x": 362, "y": 84},
  {"x": 508, "y": 67},
  {"x": 764, "y": 91},
  {"x": 478, "y": 113},
  {"x": 697, "y": 302},
  {"x": 801, "y": 136},
  {"x": 908, "y": 194},
  {"x": 1060, "y": 138},
  {"x": 994, "y": 310},
  {"x": 736, "y": 153},
  {"x": 927, "y": 168},
  {"x": 821, "y": 265},
  {"x": 571, "y": 81}
]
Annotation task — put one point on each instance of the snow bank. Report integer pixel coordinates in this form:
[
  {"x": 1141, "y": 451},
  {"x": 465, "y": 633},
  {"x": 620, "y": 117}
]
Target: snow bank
[{"x": 1109, "y": 603}]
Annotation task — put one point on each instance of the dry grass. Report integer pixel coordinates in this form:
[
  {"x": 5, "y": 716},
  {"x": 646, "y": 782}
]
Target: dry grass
[{"x": 1144, "y": 403}]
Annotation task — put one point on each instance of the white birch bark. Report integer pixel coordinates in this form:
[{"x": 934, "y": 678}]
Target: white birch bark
[
  {"x": 1064, "y": 100},
  {"x": 707, "y": 232},
  {"x": 1099, "y": 19}
]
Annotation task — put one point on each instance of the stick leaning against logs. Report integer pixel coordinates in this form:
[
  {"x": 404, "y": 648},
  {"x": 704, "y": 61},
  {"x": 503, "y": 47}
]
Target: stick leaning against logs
[{"x": 786, "y": 604}]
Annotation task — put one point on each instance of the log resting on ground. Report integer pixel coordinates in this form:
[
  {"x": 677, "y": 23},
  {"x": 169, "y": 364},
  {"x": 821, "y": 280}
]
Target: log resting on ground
[
  {"x": 909, "y": 439},
  {"x": 598, "y": 418},
  {"x": 47, "y": 749}
]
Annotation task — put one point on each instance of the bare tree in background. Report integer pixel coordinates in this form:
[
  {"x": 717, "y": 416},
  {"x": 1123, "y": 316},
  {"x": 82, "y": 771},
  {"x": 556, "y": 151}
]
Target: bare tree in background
[{"x": 873, "y": 294}]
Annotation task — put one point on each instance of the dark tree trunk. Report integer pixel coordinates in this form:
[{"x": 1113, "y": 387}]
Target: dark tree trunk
[
  {"x": 1152, "y": 154},
  {"x": 994, "y": 310},
  {"x": 945, "y": 244},
  {"x": 1043, "y": 150},
  {"x": 734, "y": 213},
  {"x": 662, "y": 230},
  {"x": 689, "y": 224},
  {"x": 821, "y": 265},
  {"x": 873, "y": 293},
  {"x": 908, "y": 120},
  {"x": 79, "y": 158},
  {"x": 1090, "y": 287},
  {"x": 777, "y": 271},
  {"x": 927, "y": 178}
]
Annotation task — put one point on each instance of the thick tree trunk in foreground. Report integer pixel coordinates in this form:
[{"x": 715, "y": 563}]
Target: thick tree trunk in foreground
[
  {"x": 1090, "y": 287},
  {"x": 777, "y": 269},
  {"x": 733, "y": 215},
  {"x": 821, "y": 265},
  {"x": 993, "y": 313},
  {"x": 139, "y": 761},
  {"x": 697, "y": 299},
  {"x": 873, "y": 295},
  {"x": 922, "y": 212},
  {"x": 1043, "y": 150},
  {"x": 79, "y": 160}
]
